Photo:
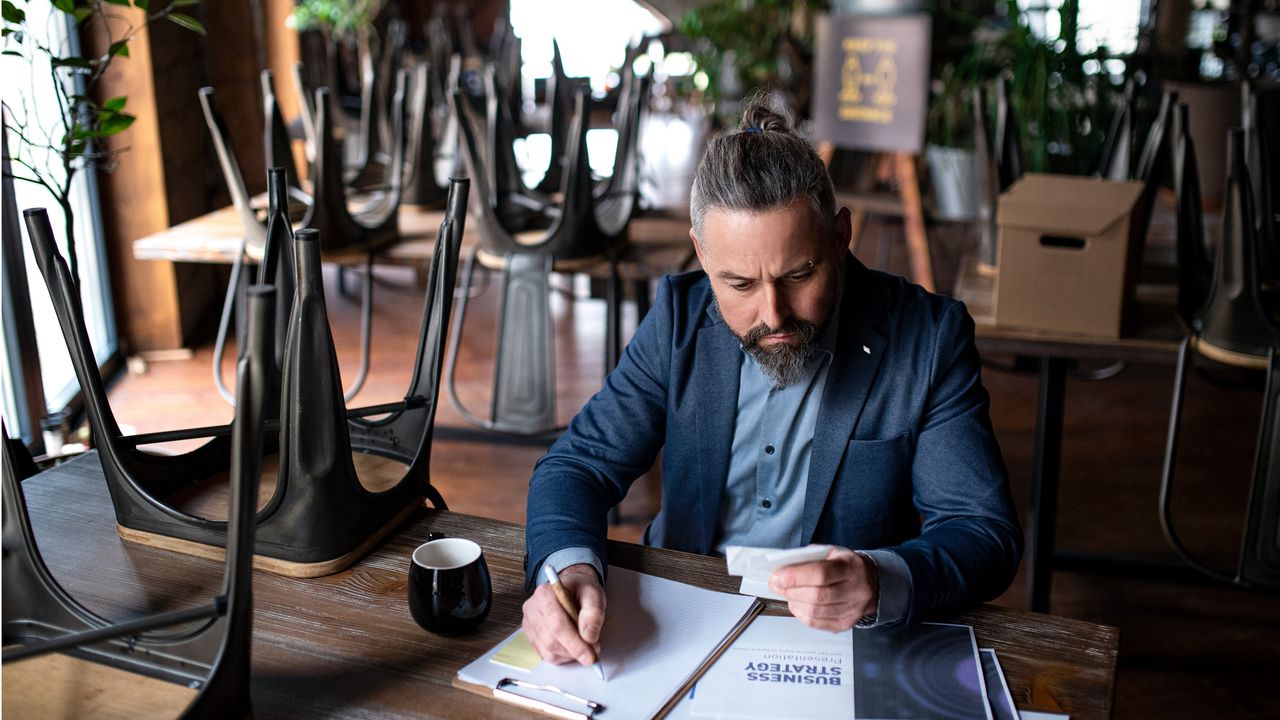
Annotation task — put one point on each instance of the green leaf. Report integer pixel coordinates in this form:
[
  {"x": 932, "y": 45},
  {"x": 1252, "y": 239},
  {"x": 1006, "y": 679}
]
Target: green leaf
[
  {"x": 142, "y": 4},
  {"x": 115, "y": 104},
  {"x": 81, "y": 13},
  {"x": 118, "y": 2},
  {"x": 184, "y": 3},
  {"x": 114, "y": 124},
  {"x": 12, "y": 13},
  {"x": 65, "y": 6},
  {"x": 119, "y": 47},
  {"x": 14, "y": 53},
  {"x": 187, "y": 22},
  {"x": 72, "y": 61}
]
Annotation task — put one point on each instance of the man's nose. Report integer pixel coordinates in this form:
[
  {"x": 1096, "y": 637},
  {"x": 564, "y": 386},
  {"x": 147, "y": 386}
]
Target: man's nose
[{"x": 776, "y": 307}]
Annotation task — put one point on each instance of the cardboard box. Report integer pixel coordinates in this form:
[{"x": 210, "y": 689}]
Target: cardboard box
[{"x": 1068, "y": 254}]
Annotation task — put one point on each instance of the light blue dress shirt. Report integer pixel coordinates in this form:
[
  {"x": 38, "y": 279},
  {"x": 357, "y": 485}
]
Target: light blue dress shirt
[{"x": 763, "y": 501}]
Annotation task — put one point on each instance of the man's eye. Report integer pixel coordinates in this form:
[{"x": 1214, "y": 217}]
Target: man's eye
[
  {"x": 800, "y": 277},
  {"x": 740, "y": 286}
]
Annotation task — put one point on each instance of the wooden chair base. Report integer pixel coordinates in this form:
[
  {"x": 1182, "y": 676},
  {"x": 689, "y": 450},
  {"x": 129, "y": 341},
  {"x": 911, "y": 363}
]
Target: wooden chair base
[{"x": 275, "y": 566}]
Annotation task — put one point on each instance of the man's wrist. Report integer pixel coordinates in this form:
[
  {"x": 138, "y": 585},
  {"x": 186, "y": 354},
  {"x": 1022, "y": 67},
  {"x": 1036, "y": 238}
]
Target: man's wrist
[{"x": 566, "y": 558}]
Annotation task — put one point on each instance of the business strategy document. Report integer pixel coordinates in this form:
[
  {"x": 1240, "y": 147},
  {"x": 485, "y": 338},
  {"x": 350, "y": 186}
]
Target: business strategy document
[{"x": 779, "y": 668}]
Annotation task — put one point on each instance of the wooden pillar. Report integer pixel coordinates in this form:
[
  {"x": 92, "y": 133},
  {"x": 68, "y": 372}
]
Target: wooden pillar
[{"x": 164, "y": 176}]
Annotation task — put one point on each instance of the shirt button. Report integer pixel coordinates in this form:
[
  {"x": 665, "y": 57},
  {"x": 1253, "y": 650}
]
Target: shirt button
[
  {"x": 767, "y": 504},
  {"x": 768, "y": 449}
]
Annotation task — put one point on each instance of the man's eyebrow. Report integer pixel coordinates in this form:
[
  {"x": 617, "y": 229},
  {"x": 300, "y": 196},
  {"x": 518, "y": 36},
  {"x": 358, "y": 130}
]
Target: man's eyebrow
[{"x": 802, "y": 267}]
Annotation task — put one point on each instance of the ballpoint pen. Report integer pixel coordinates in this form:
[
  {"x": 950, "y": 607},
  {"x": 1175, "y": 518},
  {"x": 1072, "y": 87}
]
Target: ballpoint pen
[{"x": 566, "y": 602}]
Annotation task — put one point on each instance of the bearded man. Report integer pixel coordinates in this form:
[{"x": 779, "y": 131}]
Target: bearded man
[{"x": 797, "y": 397}]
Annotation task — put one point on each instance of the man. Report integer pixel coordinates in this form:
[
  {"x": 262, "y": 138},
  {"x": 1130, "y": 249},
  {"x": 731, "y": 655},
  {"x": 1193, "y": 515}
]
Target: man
[{"x": 797, "y": 397}]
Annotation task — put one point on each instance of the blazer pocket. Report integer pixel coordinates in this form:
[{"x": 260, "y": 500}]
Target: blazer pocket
[{"x": 875, "y": 479}]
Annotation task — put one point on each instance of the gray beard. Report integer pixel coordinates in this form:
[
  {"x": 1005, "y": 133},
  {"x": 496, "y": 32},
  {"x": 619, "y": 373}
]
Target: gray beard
[{"x": 783, "y": 363}]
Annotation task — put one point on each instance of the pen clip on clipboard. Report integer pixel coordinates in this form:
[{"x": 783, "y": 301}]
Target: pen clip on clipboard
[{"x": 501, "y": 692}]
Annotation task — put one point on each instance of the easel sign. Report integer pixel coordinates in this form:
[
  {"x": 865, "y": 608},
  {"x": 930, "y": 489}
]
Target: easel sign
[{"x": 871, "y": 81}]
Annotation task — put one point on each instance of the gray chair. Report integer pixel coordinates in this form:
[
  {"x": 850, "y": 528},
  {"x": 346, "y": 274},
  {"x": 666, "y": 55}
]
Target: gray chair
[
  {"x": 1238, "y": 325},
  {"x": 523, "y": 401}
]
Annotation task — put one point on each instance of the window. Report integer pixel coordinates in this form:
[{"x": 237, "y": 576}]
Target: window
[
  {"x": 590, "y": 46},
  {"x": 30, "y": 98},
  {"x": 1110, "y": 23}
]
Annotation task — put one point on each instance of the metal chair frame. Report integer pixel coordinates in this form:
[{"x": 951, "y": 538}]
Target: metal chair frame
[
  {"x": 207, "y": 646},
  {"x": 319, "y": 515}
]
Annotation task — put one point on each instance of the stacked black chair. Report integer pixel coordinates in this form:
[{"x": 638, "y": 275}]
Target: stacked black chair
[
  {"x": 988, "y": 181},
  {"x": 375, "y": 222},
  {"x": 420, "y": 185},
  {"x": 1237, "y": 325},
  {"x": 275, "y": 138},
  {"x": 1117, "y": 153},
  {"x": 205, "y": 647},
  {"x": 523, "y": 400},
  {"x": 322, "y": 516}
]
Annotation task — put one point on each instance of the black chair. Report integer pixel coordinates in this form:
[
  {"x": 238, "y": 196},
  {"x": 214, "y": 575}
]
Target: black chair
[
  {"x": 560, "y": 98},
  {"x": 1261, "y": 120},
  {"x": 275, "y": 139},
  {"x": 524, "y": 396},
  {"x": 206, "y": 646},
  {"x": 1194, "y": 266},
  {"x": 322, "y": 515},
  {"x": 373, "y": 223},
  {"x": 1117, "y": 152},
  {"x": 375, "y": 137},
  {"x": 988, "y": 181},
  {"x": 421, "y": 187},
  {"x": 1239, "y": 326},
  {"x": 1005, "y": 143}
]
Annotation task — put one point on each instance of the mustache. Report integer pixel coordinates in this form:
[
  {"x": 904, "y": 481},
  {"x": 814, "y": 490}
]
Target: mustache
[{"x": 803, "y": 328}]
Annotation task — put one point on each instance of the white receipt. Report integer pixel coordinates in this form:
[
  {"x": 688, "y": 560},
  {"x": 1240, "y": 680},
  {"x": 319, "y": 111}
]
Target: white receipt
[{"x": 756, "y": 565}]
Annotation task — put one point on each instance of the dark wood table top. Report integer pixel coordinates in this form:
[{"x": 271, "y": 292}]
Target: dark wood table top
[{"x": 345, "y": 645}]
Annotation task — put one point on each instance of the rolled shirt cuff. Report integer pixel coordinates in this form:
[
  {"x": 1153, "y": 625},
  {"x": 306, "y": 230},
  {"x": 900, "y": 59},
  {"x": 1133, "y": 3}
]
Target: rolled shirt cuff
[
  {"x": 895, "y": 588},
  {"x": 565, "y": 557}
]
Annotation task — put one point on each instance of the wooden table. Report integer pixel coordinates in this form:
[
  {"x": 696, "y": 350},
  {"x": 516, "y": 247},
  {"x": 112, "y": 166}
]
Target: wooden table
[
  {"x": 1152, "y": 336},
  {"x": 345, "y": 645},
  {"x": 659, "y": 243}
]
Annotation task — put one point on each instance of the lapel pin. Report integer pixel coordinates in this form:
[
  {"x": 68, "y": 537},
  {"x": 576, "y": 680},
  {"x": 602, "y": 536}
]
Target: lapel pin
[{"x": 866, "y": 349}]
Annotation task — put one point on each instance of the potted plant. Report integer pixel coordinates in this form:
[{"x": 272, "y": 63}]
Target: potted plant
[
  {"x": 1062, "y": 111},
  {"x": 744, "y": 45},
  {"x": 52, "y": 156}
]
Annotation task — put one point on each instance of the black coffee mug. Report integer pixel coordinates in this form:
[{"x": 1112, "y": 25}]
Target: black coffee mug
[{"x": 449, "y": 588}]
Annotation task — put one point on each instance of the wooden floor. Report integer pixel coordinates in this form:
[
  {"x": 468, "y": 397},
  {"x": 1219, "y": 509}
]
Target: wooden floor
[{"x": 1186, "y": 651}]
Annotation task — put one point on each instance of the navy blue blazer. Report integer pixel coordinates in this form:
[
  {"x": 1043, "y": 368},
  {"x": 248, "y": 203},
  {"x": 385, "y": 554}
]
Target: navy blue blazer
[{"x": 904, "y": 457}]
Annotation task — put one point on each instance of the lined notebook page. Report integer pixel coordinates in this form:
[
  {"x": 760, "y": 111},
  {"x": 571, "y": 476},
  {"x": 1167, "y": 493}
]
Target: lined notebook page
[{"x": 657, "y": 633}]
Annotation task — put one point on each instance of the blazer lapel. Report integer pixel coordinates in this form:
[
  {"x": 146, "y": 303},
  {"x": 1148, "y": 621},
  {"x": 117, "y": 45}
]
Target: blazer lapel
[
  {"x": 716, "y": 396},
  {"x": 854, "y": 364}
]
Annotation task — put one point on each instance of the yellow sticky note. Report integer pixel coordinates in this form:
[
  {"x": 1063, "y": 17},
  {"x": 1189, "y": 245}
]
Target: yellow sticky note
[{"x": 518, "y": 653}]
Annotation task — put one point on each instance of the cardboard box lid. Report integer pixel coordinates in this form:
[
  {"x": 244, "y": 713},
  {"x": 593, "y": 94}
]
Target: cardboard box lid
[{"x": 1066, "y": 204}]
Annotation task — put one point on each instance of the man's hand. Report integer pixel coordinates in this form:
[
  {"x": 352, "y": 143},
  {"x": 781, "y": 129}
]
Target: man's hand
[
  {"x": 831, "y": 594},
  {"x": 548, "y": 626}
]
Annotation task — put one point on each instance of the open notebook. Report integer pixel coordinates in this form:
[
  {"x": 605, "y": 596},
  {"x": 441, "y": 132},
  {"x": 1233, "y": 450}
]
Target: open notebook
[{"x": 658, "y": 637}]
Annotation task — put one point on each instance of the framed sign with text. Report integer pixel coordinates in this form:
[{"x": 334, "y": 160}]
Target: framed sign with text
[{"x": 871, "y": 81}]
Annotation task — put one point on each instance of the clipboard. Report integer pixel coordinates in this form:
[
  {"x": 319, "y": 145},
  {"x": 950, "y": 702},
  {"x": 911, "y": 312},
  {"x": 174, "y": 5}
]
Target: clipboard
[{"x": 660, "y": 636}]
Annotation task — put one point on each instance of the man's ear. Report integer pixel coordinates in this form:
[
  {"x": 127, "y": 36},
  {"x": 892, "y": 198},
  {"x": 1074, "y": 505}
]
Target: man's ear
[
  {"x": 697, "y": 248},
  {"x": 842, "y": 230}
]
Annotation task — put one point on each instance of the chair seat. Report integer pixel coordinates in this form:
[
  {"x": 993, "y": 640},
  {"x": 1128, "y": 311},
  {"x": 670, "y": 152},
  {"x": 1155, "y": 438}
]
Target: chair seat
[
  {"x": 1226, "y": 356},
  {"x": 496, "y": 261}
]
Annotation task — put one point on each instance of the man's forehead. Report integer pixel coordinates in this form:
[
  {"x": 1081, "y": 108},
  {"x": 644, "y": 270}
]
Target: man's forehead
[{"x": 782, "y": 236}]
